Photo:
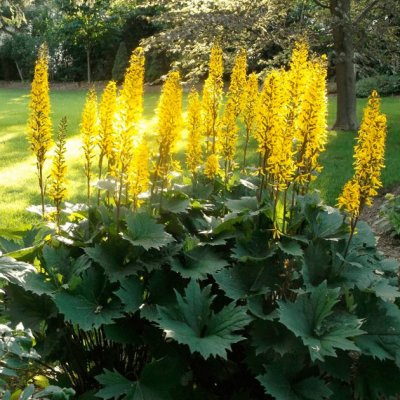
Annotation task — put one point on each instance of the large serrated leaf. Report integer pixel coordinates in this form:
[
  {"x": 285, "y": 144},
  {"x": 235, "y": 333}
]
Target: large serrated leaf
[
  {"x": 283, "y": 381},
  {"x": 310, "y": 318},
  {"x": 145, "y": 232},
  {"x": 242, "y": 281},
  {"x": 382, "y": 326},
  {"x": 154, "y": 383},
  {"x": 131, "y": 293},
  {"x": 13, "y": 271},
  {"x": 111, "y": 257},
  {"x": 86, "y": 305},
  {"x": 193, "y": 323},
  {"x": 244, "y": 203},
  {"x": 327, "y": 223},
  {"x": 199, "y": 262}
]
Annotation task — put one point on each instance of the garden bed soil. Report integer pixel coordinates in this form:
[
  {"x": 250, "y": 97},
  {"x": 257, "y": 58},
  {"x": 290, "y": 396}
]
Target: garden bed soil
[{"x": 388, "y": 245}]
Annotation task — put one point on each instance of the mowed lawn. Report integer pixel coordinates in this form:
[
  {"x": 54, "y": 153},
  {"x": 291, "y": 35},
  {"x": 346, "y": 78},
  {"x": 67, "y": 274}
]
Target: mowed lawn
[{"x": 19, "y": 184}]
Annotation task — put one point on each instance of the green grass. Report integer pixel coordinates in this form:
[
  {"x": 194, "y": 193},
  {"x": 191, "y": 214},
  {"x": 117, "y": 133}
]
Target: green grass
[{"x": 18, "y": 180}]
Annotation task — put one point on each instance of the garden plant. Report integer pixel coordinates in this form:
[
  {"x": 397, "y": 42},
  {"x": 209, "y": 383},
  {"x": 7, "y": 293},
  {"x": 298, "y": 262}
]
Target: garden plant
[{"x": 216, "y": 280}]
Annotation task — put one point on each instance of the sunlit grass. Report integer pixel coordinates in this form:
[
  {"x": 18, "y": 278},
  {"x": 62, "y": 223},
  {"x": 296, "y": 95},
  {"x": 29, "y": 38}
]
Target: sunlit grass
[{"x": 19, "y": 184}]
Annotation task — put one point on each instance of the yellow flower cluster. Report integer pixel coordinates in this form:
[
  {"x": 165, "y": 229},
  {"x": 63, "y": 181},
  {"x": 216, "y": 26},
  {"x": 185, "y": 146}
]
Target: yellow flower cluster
[
  {"x": 228, "y": 133},
  {"x": 212, "y": 96},
  {"x": 169, "y": 113},
  {"x": 297, "y": 81},
  {"x": 212, "y": 169},
  {"x": 274, "y": 141},
  {"x": 311, "y": 122},
  {"x": 89, "y": 134},
  {"x": 194, "y": 151},
  {"x": 138, "y": 174},
  {"x": 107, "y": 110},
  {"x": 369, "y": 156},
  {"x": 237, "y": 87},
  {"x": 39, "y": 124},
  {"x": 58, "y": 188},
  {"x": 250, "y": 111}
]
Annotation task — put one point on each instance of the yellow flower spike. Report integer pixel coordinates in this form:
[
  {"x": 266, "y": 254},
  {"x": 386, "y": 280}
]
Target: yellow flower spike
[
  {"x": 138, "y": 174},
  {"x": 212, "y": 169},
  {"x": 39, "y": 123},
  {"x": 237, "y": 87},
  {"x": 89, "y": 134},
  {"x": 107, "y": 110},
  {"x": 58, "y": 188},
  {"x": 212, "y": 97},
  {"x": 370, "y": 149},
  {"x": 194, "y": 151},
  {"x": 250, "y": 111},
  {"x": 350, "y": 198},
  {"x": 169, "y": 113},
  {"x": 310, "y": 129}
]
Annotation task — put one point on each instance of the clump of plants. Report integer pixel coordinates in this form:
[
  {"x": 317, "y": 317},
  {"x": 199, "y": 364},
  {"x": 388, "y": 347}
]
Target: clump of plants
[{"x": 226, "y": 281}]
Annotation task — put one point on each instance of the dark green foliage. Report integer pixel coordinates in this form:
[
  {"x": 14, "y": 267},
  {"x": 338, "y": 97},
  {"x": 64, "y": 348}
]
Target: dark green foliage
[
  {"x": 121, "y": 63},
  {"x": 386, "y": 85},
  {"x": 197, "y": 300}
]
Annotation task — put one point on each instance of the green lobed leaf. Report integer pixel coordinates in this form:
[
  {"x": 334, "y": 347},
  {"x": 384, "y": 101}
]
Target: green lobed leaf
[
  {"x": 290, "y": 247},
  {"x": 243, "y": 204},
  {"x": 310, "y": 318},
  {"x": 241, "y": 281},
  {"x": 12, "y": 270},
  {"x": 199, "y": 262},
  {"x": 89, "y": 304},
  {"x": 144, "y": 231},
  {"x": 193, "y": 323},
  {"x": 111, "y": 257},
  {"x": 131, "y": 293}
]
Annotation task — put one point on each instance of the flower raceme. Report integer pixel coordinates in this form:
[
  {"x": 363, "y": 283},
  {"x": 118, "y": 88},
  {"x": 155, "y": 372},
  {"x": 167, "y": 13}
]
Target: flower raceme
[
  {"x": 194, "y": 151},
  {"x": 39, "y": 124},
  {"x": 212, "y": 97},
  {"x": 369, "y": 156},
  {"x": 89, "y": 134},
  {"x": 212, "y": 169},
  {"x": 169, "y": 113},
  {"x": 237, "y": 88}
]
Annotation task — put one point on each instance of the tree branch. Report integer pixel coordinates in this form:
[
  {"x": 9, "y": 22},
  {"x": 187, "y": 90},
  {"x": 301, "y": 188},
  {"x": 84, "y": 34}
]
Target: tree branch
[
  {"x": 366, "y": 10},
  {"x": 320, "y": 4}
]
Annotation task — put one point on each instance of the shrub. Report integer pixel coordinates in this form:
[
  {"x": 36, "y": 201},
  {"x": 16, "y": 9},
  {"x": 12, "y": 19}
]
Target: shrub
[
  {"x": 386, "y": 85},
  {"x": 121, "y": 63}
]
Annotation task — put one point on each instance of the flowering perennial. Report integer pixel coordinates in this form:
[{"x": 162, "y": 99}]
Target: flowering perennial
[
  {"x": 194, "y": 151},
  {"x": 39, "y": 124},
  {"x": 212, "y": 96}
]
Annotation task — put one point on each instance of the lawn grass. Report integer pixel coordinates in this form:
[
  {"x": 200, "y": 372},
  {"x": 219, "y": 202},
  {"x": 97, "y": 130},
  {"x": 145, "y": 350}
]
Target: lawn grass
[{"x": 18, "y": 180}]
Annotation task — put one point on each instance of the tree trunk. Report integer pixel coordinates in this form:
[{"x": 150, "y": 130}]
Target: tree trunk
[
  {"x": 88, "y": 51},
  {"x": 19, "y": 72},
  {"x": 346, "y": 116}
]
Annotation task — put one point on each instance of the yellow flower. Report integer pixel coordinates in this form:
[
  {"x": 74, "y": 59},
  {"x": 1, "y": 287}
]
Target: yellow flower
[
  {"x": 58, "y": 188},
  {"x": 212, "y": 96},
  {"x": 107, "y": 109},
  {"x": 169, "y": 113},
  {"x": 311, "y": 122},
  {"x": 228, "y": 132},
  {"x": 237, "y": 88},
  {"x": 39, "y": 124},
  {"x": 212, "y": 169},
  {"x": 194, "y": 150},
  {"x": 138, "y": 174},
  {"x": 350, "y": 198},
  {"x": 89, "y": 133}
]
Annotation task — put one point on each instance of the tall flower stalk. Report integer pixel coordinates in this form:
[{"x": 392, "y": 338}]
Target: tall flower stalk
[
  {"x": 369, "y": 160},
  {"x": 212, "y": 97},
  {"x": 237, "y": 87},
  {"x": 138, "y": 174},
  {"x": 250, "y": 111},
  {"x": 194, "y": 156},
  {"x": 107, "y": 110},
  {"x": 129, "y": 130},
  {"x": 58, "y": 188},
  {"x": 169, "y": 113},
  {"x": 89, "y": 134},
  {"x": 39, "y": 123}
]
